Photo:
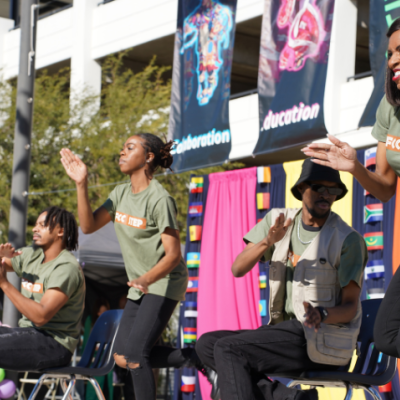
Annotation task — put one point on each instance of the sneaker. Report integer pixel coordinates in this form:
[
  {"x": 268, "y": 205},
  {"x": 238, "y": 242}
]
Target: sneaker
[
  {"x": 212, "y": 377},
  {"x": 193, "y": 361}
]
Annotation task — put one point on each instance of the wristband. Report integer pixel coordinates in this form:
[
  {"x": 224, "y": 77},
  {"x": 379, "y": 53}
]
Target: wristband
[{"x": 323, "y": 312}]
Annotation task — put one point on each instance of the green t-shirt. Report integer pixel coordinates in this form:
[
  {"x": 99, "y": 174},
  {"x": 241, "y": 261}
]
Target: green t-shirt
[
  {"x": 387, "y": 130},
  {"x": 352, "y": 261},
  {"x": 63, "y": 273},
  {"x": 139, "y": 220}
]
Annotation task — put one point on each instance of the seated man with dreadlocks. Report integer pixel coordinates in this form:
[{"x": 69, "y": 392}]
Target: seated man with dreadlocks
[{"x": 52, "y": 295}]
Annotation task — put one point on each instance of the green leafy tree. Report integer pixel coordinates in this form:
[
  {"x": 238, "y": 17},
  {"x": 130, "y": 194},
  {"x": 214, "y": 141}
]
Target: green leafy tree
[{"x": 130, "y": 103}]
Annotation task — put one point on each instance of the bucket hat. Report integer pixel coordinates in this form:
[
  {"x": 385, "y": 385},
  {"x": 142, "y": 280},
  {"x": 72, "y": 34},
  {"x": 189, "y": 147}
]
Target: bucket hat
[{"x": 315, "y": 172}]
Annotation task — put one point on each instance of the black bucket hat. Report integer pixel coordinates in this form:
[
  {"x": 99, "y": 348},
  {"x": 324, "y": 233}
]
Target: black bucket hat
[{"x": 315, "y": 172}]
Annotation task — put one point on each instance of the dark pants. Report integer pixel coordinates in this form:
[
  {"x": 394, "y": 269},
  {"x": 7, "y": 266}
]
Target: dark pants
[
  {"x": 244, "y": 358},
  {"x": 29, "y": 349},
  {"x": 142, "y": 324},
  {"x": 387, "y": 324}
]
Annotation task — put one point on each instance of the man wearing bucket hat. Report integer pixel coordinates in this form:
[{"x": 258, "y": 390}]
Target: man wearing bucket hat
[{"x": 315, "y": 278}]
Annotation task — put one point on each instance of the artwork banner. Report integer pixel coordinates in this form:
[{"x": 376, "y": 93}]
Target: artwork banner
[
  {"x": 292, "y": 72},
  {"x": 199, "y": 117},
  {"x": 381, "y": 16}
]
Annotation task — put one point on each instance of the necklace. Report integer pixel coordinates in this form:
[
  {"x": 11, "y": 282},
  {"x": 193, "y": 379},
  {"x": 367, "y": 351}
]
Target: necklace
[{"x": 298, "y": 234}]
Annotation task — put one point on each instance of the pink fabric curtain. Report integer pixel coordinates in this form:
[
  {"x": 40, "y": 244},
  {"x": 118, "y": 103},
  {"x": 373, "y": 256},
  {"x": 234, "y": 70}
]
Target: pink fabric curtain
[{"x": 225, "y": 302}]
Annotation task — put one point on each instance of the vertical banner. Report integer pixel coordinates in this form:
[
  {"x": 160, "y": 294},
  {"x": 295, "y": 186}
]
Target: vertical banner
[
  {"x": 199, "y": 118},
  {"x": 381, "y": 16},
  {"x": 294, "y": 50}
]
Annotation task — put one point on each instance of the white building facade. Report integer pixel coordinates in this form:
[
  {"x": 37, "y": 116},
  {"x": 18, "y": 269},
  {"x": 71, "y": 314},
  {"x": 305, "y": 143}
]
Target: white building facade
[{"x": 83, "y": 33}]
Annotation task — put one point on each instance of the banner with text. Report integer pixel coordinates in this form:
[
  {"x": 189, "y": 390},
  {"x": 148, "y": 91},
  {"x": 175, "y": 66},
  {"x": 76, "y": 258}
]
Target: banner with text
[
  {"x": 292, "y": 72},
  {"x": 199, "y": 118},
  {"x": 381, "y": 16}
]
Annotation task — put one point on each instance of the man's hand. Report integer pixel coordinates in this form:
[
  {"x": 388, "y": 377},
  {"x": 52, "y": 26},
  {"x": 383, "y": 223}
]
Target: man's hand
[
  {"x": 313, "y": 316},
  {"x": 278, "y": 230},
  {"x": 7, "y": 250},
  {"x": 140, "y": 283}
]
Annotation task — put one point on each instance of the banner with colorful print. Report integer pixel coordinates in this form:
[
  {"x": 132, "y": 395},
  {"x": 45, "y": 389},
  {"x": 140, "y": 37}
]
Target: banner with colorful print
[
  {"x": 292, "y": 72},
  {"x": 381, "y": 16},
  {"x": 199, "y": 117}
]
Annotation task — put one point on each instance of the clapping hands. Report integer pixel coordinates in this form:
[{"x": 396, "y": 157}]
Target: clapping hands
[{"x": 7, "y": 250}]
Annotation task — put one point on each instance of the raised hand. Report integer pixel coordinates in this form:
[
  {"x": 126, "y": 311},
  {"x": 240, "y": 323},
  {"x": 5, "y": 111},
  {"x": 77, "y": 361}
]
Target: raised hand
[
  {"x": 278, "y": 230},
  {"x": 7, "y": 250},
  {"x": 74, "y": 166},
  {"x": 339, "y": 155}
]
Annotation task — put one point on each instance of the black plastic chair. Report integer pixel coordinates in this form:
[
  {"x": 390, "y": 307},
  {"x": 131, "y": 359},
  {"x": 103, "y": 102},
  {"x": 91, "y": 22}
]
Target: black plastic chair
[
  {"x": 371, "y": 369},
  {"x": 97, "y": 358}
]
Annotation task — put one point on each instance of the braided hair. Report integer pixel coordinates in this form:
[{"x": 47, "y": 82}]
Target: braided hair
[
  {"x": 162, "y": 151},
  {"x": 59, "y": 216}
]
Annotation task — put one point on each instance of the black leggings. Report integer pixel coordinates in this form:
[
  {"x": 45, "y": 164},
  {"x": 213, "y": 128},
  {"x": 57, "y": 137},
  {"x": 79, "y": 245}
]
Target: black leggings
[
  {"x": 387, "y": 324},
  {"x": 142, "y": 324}
]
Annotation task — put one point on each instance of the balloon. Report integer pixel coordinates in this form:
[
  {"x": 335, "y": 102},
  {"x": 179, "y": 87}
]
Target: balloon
[
  {"x": 7, "y": 389},
  {"x": 2, "y": 374}
]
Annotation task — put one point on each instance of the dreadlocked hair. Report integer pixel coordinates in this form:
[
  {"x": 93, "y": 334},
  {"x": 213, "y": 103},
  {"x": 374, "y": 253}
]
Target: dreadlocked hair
[
  {"x": 59, "y": 216},
  {"x": 162, "y": 151}
]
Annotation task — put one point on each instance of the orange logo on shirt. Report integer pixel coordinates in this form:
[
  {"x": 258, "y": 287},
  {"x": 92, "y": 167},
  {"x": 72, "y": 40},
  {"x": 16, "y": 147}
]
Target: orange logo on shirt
[
  {"x": 134, "y": 222},
  {"x": 393, "y": 143},
  {"x": 32, "y": 287},
  {"x": 294, "y": 258}
]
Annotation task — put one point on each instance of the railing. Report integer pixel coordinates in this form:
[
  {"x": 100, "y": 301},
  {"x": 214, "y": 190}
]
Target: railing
[
  {"x": 242, "y": 94},
  {"x": 359, "y": 76}
]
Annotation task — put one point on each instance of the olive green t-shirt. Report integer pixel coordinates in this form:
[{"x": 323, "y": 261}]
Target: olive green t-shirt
[
  {"x": 387, "y": 130},
  {"x": 139, "y": 220},
  {"x": 352, "y": 260},
  {"x": 63, "y": 273}
]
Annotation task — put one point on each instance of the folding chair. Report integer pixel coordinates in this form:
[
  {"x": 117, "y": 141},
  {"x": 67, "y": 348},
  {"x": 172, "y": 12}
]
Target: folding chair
[
  {"x": 371, "y": 369},
  {"x": 97, "y": 358}
]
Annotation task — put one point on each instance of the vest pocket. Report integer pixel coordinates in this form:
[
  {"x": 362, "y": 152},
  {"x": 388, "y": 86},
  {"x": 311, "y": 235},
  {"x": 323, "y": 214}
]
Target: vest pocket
[
  {"x": 335, "y": 344},
  {"x": 320, "y": 276},
  {"x": 320, "y": 295}
]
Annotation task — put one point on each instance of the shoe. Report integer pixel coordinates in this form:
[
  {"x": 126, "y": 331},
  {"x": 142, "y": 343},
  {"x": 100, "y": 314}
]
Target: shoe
[
  {"x": 212, "y": 377},
  {"x": 307, "y": 395},
  {"x": 193, "y": 361}
]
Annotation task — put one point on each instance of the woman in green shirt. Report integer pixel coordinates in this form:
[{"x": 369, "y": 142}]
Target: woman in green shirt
[
  {"x": 381, "y": 183},
  {"x": 144, "y": 216}
]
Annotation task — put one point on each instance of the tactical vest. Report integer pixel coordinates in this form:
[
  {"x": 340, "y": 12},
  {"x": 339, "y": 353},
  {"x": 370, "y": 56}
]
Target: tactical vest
[{"x": 316, "y": 281}]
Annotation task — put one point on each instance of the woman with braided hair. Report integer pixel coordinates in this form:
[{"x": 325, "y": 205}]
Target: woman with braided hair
[{"x": 144, "y": 216}]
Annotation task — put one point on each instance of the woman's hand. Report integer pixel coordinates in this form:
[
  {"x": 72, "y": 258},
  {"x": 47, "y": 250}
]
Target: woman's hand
[
  {"x": 74, "y": 166},
  {"x": 140, "y": 283},
  {"x": 7, "y": 250},
  {"x": 339, "y": 155}
]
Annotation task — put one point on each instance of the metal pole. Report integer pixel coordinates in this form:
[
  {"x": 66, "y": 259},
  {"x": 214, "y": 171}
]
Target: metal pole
[{"x": 22, "y": 144}]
